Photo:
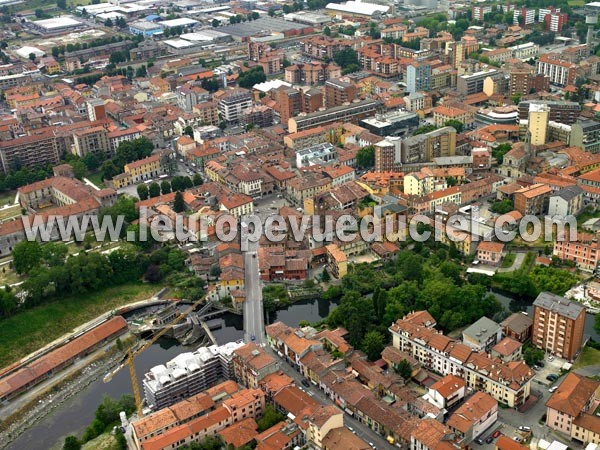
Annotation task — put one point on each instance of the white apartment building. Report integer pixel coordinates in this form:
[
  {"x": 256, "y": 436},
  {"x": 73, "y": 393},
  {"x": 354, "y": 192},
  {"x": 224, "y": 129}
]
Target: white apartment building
[{"x": 508, "y": 383}]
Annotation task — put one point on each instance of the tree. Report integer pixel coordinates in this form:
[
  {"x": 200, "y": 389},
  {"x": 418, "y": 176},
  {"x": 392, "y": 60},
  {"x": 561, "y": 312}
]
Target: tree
[
  {"x": 255, "y": 15},
  {"x": 346, "y": 57},
  {"x": 327, "y": 31},
  {"x": 373, "y": 345},
  {"x": 141, "y": 71},
  {"x": 26, "y": 255},
  {"x": 189, "y": 131},
  {"x": 516, "y": 99},
  {"x": 178, "y": 204},
  {"x": 142, "y": 191},
  {"x": 270, "y": 417},
  {"x": 108, "y": 23},
  {"x": 532, "y": 355},
  {"x": 32, "y": 57},
  {"x": 451, "y": 181},
  {"x": 197, "y": 180},
  {"x": 165, "y": 187},
  {"x": 501, "y": 150},
  {"x": 215, "y": 23},
  {"x": 456, "y": 124},
  {"x": 502, "y": 207},
  {"x": 271, "y": 12},
  {"x": 210, "y": 84},
  {"x": 71, "y": 443},
  {"x": 251, "y": 77},
  {"x": 214, "y": 271},
  {"x": 365, "y": 157},
  {"x": 154, "y": 190},
  {"x": 424, "y": 129},
  {"x": 325, "y": 277},
  {"x": 404, "y": 369},
  {"x": 62, "y": 4},
  {"x": 597, "y": 323}
]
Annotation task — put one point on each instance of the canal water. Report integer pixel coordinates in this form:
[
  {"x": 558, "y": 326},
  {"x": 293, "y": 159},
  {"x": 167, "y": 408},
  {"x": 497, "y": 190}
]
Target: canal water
[{"x": 76, "y": 413}]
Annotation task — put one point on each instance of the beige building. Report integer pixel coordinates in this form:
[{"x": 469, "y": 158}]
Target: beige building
[
  {"x": 91, "y": 140},
  {"x": 538, "y": 123},
  {"x": 321, "y": 422},
  {"x": 570, "y": 409}
]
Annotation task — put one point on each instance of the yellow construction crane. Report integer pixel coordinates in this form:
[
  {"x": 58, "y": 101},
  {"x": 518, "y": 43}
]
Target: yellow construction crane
[{"x": 131, "y": 354}]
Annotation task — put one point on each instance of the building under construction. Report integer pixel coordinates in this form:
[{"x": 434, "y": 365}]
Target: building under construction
[{"x": 188, "y": 374}]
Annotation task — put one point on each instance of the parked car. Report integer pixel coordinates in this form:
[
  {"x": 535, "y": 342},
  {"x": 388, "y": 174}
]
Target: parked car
[
  {"x": 518, "y": 438},
  {"x": 351, "y": 429},
  {"x": 552, "y": 377},
  {"x": 524, "y": 428},
  {"x": 536, "y": 367},
  {"x": 552, "y": 389},
  {"x": 496, "y": 434},
  {"x": 489, "y": 440},
  {"x": 550, "y": 358},
  {"x": 305, "y": 383},
  {"x": 541, "y": 363},
  {"x": 479, "y": 441}
]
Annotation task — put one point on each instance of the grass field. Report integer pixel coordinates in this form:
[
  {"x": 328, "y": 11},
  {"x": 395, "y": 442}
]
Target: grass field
[
  {"x": 96, "y": 178},
  {"x": 576, "y": 3},
  {"x": 589, "y": 357},
  {"x": 7, "y": 197},
  {"x": 508, "y": 260},
  {"x": 30, "y": 330}
]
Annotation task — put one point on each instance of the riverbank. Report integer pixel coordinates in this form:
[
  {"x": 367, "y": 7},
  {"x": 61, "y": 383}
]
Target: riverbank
[
  {"x": 24, "y": 412},
  {"x": 32, "y": 329}
]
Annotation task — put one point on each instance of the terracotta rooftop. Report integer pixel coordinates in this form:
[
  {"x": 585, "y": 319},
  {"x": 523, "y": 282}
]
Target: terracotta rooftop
[
  {"x": 572, "y": 394},
  {"x": 506, "y": 346}
]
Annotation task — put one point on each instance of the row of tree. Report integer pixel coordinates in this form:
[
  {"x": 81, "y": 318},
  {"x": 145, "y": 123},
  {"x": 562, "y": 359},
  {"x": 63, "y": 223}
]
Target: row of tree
[
  {"x": 427, "y": 278},
  {"x": 105, "y": 418}
]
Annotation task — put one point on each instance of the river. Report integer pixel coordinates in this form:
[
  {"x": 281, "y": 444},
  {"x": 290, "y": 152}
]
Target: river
[{"x": 76, "y": 413}]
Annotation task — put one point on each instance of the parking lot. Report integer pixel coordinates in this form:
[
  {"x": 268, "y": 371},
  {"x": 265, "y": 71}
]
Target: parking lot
[{"x": 550, "y": 367}]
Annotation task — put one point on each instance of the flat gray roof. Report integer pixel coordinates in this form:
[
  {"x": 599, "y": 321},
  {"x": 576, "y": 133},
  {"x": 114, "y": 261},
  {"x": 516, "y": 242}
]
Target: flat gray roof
[
  {"x": 559, "y": 305},
  {"x": 482, "y": 330}
]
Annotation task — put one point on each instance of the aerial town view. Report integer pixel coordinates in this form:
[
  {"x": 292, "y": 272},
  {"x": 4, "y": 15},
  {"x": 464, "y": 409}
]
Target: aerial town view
[{"x": 299, "y": 224}]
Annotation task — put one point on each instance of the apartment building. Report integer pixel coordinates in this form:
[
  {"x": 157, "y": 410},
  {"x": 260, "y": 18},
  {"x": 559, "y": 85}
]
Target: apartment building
[
  {"x": 584, "y": 251},
  {"x": 558, "y": 325},
  {"x": 537, "y": 123},
  {"x": 418, "y": 77},
  {"x": 442, "y": 114},
  {"x": 561, "y": 73},
  {"x": 29, "y": 151},
  {"x": 425, "y": 147},
  {"x": 338, "y": 92},
  {"x": 473, "y": 84},
  {"x": 560, "y": 111},
  {"x": 570, "y": 409},
  {"x": 524, "y": 16},
  {"x": 508, "y": 383},
  {"x": 323, "y": 47},
  {"x": 144, "y": 169},
  {"x": 91, "y": 140},
  {"x": 533, "y": 199},
  {"x": 567, "y": 201},
  {"x": 232, "y": 103},
  {"x": 517, "y": 326},
  {"x": 471, "y": 419},
  {"x": 312, "y": 74},
  {"x": 585, "y": 134},
  {"x": 351, "y": 113},
  {"x": 188, "y": 374},
  {"x": 482, "y": 335}
]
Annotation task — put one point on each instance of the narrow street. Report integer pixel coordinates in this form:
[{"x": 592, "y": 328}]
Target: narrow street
[{"x": 360, "y": 429}]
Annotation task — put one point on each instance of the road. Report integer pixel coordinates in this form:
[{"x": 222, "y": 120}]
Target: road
[
  {"x": 254, "y": 319},
  {"x": 360, "y": 429}
]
